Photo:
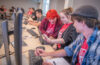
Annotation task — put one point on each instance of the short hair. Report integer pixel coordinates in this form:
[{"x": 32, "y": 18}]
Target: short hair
[
  {"x": 51, "y": 14},
  {"x": 33, "y": 9},
  {"x": 39, "y": 10}
]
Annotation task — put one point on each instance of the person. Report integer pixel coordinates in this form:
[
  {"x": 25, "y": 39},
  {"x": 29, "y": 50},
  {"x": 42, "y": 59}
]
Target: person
[
  {"x": 23, "y": 11},
  {"x": 67, "y": 33},
  {"x": 3, "y": 12},
  {"x": 39, "y": 16},
  {"x": 29, "y": 16},
  {"x": 13, "y": 9},
  {"x": 86, "y": 48},
  {"x": 51, "y": 24},
  {"x": 31, "y": 13}
]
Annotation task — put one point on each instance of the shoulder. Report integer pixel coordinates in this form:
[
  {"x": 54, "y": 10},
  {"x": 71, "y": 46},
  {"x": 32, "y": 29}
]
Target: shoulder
[
  {"x": 43, "y": 17},
  {"x": 97, "y": 43},
  {"x": 45, "y": 20},
  {"x": 80, "y": 37},
  {"x": 72, "y": 27},
  {"x": 98, "y": 37},
  {"x": 98, "y": 33}
]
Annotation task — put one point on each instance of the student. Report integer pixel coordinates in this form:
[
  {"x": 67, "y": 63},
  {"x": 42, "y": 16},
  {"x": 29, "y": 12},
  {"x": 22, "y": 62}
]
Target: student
[
  {"x": 51, "y": 24},
  {"x": 39, "y": 16},
  {"x": 32, "y": 14},
  {"x": 67, "y": 33},
  {"x": 13, "y": 9},
  {"x": 86, "y": 48},
  {"x": 3, "y": 12}
]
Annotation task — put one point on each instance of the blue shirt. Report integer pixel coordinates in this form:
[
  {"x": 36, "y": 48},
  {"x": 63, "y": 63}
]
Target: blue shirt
[{"x": 92, "y": 56}]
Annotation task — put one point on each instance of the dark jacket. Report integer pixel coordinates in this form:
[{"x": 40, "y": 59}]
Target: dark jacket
[{"x": 69, "y": 35}]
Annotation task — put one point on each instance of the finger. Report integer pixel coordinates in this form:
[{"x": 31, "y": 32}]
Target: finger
[
  {"x": 39, "y": 51},
  {"x": 45, "y": 35},
  {"x": 36, "y": 53},
  {"x": 47, "y": 63}
]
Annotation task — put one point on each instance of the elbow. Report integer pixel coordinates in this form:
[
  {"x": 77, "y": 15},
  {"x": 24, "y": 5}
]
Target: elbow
[{"x": 68, "y": 51}]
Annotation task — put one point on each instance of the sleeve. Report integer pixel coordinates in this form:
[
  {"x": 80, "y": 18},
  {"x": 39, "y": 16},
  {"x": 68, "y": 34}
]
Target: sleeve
[
  {"x": 55, "y": 34},
  {"x": 69, "y": 52},
  {"x": 97, "y": 57},
  {"x": 71, "y": 48},
  {"x": 43, "y": 26}
]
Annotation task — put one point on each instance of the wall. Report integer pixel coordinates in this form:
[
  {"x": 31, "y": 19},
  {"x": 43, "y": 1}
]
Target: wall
[
  {"x": 95, "y": 3},
  {"x": 57, "y": 4},
  {"x": 20, "y": 3}
]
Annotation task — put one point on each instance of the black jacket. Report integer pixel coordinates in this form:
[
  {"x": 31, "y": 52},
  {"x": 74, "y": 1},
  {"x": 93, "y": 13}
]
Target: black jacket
[{"x": 69, "y": 35}]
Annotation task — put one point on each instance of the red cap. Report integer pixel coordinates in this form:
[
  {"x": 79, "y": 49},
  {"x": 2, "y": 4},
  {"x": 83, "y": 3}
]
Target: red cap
[{"x": 51, "y": 14}]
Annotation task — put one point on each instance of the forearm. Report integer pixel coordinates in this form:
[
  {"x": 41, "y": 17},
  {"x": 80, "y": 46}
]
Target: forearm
[
  {"x": 35, "y": 23},
  {"x": 60, "y": 40},
  {"x": 59, "y": 53}
]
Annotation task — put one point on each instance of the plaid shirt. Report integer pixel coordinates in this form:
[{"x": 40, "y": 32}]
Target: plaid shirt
[{"x": 92, "y": 56}]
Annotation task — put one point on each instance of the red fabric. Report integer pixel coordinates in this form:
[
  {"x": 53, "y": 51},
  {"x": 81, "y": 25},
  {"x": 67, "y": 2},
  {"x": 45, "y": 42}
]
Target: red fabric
[
  {"x": 59, "y": 46},
  {"x": 51, "y": 14},
  {"x": 50, "y": 28},
  {"x": 44, "y": 24},
  {"x": 82, "y": 52},
  {"x": 29, "y": 12},
  {"x": 5, "y": 10},
  {"x": 64, "y": 27}
]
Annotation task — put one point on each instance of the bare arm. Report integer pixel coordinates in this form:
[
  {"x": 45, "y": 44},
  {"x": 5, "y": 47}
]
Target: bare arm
[
  {"x": 36, "y": 23},
  {"x": 53, "y": 41},
  {"x": 59, "y": 53},
  {"x": 59, "y": 40},
  {"x": 47, "y": 63}
]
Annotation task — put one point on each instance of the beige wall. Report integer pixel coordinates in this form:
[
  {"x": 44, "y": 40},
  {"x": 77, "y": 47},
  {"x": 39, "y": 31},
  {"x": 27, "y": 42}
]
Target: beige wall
[
  {"x": 19, "y": 3},
  {"x": 95, "y": 3},
  {"x": 57, "y": 4}
]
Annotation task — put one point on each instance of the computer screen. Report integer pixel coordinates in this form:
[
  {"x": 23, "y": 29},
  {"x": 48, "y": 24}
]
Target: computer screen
[
  {"x": 6, "y": 41},
  {"x": 18, "y": 38}
]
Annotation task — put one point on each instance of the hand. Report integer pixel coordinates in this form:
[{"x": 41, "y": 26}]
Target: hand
[
  {"x": 35, "y": 21},
  {"x": 31, "y": 22},
  {"x": 45, "y": 37},
  {"x": 54, "y": 46},
  {"x": 46, "y": 63},
  {"x": 40, "y": 52},
  {"x": 51, "y": 37}
]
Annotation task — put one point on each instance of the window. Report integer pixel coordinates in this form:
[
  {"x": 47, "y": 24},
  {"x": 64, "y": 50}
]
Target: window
[{"x": 45, "y": 6}]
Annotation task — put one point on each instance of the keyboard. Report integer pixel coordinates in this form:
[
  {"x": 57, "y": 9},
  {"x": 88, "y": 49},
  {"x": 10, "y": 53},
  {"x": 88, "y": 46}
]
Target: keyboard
[
  {"x": 32, "y": 32},
  {"x": 34, "y": 60}
]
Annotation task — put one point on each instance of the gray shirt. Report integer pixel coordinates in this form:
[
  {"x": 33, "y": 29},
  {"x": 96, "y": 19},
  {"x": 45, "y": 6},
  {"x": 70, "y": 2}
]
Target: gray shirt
[{"x": 40, "y": 19}]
